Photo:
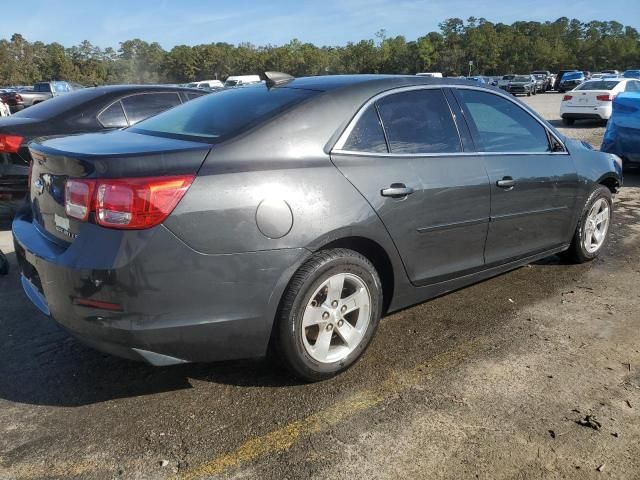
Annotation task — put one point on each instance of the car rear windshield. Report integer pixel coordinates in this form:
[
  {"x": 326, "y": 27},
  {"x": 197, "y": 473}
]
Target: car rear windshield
[
  {"x": 599, "y": 85},
  {"x": 508, "y": 77},
  {"x": 57, "y": 105},
  {"x": 522, "y": 78},
  {"x": 222, "y": 114}
]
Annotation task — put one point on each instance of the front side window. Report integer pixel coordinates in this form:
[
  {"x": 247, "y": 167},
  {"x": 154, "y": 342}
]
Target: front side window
[
  {"x": 419, "y": 121},
  {"x": 500, "y": 125},
  {"x": 367, "y": 135},
  {"x": 141, "y": 106}
]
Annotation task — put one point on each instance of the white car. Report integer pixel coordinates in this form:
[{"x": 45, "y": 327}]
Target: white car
[
  {"x": 593, "y": 99},
  {"x": 206, "y": 84}
]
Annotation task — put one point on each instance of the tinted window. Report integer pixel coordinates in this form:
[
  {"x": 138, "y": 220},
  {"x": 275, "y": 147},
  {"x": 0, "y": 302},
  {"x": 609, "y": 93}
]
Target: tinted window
[
  {"x": 62, "y": 104},
  {"x": 192, "y": 95},
  {"x": 632, "y": 86},
  {"x": 41, "y": 87},
  {"x": 113, "y": 117},
  {"x": 599, "y": 85},
  {"x": 139, "y": 107},
  {"x": 419, "y": 121},
  {"x": 367, "y": 135},
  {"x": 224, "y": 113},
  {"x": 502, "y": 126}
]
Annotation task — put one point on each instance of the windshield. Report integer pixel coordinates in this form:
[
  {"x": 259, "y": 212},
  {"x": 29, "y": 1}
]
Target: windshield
[
  {"x": 508, "y": 77},
  {"x": 231, "y": 83},
  {"x": 539, "y": 76},
  {"x": 599, "y": 85},
  {"x": 522, "y": 78},
  {"x": 573, "y": 76},
  {"x": 220, "y": 115}
]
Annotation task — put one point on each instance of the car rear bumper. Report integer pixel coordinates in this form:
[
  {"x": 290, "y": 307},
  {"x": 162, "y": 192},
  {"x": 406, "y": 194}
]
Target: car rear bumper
[
  {"x": 593, "y": 113},
  {"x": 172, "y": 304}
]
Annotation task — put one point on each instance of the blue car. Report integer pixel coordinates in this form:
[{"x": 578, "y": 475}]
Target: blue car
[
  {"x": 477, "y": 79},
  {"x": 622, "y": 136},
  {"x": 631, "y": 74}
]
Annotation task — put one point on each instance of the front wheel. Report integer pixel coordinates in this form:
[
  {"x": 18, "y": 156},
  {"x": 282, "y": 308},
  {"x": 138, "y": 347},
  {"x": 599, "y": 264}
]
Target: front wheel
[
  {"x": 593, "y": 227},
  {"x": 328, "y": 314}
]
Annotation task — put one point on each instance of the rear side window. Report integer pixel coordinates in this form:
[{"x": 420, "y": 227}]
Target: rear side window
[
  {"x": 500, "y": 125},
  {"x": 367, "y": 135},
  {"x": 419, "y": 121},
  {"x": 139, "y": 107},
  {"x": 223, "y": 114},
  {"x": 113, "y": 116},
  {"x": 192, "y": 95}
]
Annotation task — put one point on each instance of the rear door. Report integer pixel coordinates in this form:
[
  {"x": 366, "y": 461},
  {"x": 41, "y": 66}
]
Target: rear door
[
  {"x": 404, "y": 154},
  {"x": 533, "y": 179}
]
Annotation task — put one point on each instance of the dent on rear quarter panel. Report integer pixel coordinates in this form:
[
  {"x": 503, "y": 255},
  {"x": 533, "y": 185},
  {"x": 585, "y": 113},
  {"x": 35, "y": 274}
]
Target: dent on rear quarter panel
[{"x": 218, "y": 214}]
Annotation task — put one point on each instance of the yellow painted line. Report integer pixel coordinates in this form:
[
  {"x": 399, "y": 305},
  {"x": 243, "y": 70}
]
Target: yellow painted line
[
  {"x": 278, "y": 440},
  {"x": 284, "y": 438}
]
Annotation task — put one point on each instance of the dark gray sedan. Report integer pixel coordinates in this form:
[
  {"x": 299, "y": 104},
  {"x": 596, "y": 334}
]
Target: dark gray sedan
[{"x": 293, "y": 214}]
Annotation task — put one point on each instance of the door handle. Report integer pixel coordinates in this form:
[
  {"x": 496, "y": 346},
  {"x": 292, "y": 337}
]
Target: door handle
[
  {"x": 396, "y": 190},
  {"x": 507, "y": 183}
]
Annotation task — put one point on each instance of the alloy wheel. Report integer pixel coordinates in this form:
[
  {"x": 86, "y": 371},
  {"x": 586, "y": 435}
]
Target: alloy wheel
[
  {"x": 336, "y": 318},
  {"x": 596, "y": 225}
]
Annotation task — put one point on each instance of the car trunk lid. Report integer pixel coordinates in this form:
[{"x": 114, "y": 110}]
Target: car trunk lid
[
  {"x": 588, "y": 98},
  {"x": 113, "y": 155}
]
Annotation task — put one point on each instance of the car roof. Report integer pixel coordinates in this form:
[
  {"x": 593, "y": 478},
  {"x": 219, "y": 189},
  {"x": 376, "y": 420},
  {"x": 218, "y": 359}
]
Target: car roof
[{"x": 332, "y": 82}]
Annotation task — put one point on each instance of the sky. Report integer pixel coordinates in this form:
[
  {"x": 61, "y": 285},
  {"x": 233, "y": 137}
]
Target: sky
[{"x": 275, "y": 22}]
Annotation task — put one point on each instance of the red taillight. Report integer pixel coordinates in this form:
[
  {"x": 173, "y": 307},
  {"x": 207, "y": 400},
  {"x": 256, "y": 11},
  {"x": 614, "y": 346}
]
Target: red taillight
[
  {"x": 131, "y": 203},
  {"x": 566, "y": 98},
  {"x": 18, "y": 98},
  {"x": 10, "y": 143},
  {"x": 604, "y": 98}
]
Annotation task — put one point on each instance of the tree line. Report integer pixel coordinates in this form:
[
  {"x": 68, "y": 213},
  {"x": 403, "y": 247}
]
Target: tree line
[{"x": 494, "y": 48}]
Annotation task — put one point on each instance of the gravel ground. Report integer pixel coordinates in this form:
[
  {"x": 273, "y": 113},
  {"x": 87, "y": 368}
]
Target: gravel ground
[{"x": 488, "y": 382}]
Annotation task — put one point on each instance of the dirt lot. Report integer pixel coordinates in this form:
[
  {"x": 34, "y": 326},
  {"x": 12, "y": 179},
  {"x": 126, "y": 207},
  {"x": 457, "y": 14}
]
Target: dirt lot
[{"x": 487, "y": 382}]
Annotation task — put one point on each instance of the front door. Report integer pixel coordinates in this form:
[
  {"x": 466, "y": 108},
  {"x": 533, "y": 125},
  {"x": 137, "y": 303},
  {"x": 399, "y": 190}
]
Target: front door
[{"x": 534, "y": 183}]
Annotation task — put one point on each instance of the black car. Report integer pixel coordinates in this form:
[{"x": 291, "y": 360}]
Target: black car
[
  {"x": 87, "y": 110},
  {"x": 561, "y": 73}
]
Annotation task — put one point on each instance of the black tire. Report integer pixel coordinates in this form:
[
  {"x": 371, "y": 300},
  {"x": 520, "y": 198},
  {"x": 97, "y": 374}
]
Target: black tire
[
  {"x": 528, "y": 94},
  {"x": 568, "y": 121},
  {"x": 287, "y": 339},
  {"x": 577, "y": 252}
]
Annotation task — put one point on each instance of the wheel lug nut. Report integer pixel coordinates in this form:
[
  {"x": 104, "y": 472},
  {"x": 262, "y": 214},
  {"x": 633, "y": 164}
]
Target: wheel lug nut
[
  {"x": 334, "y": 304},
  {"x": 325, "y": 315},
  {"x": 340, "y": 323},
  {"x": 329, "y": 327},
  {"x": 343, "y": 308}
]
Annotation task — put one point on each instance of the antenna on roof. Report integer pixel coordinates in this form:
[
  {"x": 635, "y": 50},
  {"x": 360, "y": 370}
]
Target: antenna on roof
[{"x": 273, "y": 79}]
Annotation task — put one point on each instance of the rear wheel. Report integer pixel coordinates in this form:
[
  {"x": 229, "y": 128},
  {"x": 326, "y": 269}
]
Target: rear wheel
[
  {"x": 328, "y": 315},
  {"x": 593, "y": 227}
]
